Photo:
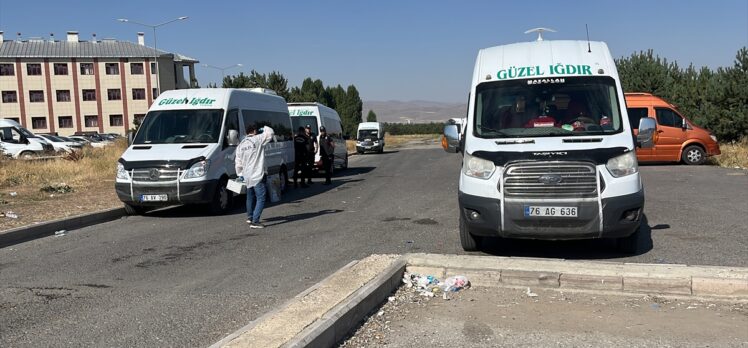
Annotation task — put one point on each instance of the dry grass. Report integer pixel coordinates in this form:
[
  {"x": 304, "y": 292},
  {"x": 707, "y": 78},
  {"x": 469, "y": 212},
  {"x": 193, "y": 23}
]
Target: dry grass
[
  {"x": 733, "y": 155},
  {"x": 397, "y": 141},
  {"x": 91, "y": 179}
]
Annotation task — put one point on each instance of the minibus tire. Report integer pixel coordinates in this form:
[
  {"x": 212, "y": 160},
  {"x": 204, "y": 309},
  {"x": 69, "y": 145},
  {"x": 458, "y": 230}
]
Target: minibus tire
[
  {"x": 216, "y": 207},
  {"x": 26, "y": 155},
  {"x": 693, "y": 155},
  {"x": 632, "y": 243},
  {"x": 469, "y": 241},
  {"x": 345, "y": 163},
  {"x": 135, "y": 209}
]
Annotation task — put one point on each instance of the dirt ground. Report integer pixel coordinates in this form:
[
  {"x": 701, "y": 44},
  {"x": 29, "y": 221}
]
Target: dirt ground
[
  {"x": 498, "y": 317},
  {"x": 32, "y": 206}
]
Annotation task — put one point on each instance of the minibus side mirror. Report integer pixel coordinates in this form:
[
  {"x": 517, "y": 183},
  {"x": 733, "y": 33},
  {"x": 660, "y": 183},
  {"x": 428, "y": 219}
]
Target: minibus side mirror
[
  {"x": 451, "y": 138},
  {"x": 233, "y": 137},
  {"x": 647, "y": 130},
  {"x": 684, "y": 124}
]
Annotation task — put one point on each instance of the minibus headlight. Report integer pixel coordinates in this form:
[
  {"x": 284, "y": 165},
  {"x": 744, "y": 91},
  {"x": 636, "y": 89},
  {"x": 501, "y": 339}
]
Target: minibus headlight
[
  {"x": 197, "y": 170},
  {"x": 477, "y": 167},
  {"x": 623, "y": 165},
  {"x": 122, "y": 173}
]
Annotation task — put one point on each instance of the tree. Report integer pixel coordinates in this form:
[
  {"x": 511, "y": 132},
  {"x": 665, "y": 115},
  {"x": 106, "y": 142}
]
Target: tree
[
  {"x": 371, "y": 116},
  {"x": 278, "y": 83}
]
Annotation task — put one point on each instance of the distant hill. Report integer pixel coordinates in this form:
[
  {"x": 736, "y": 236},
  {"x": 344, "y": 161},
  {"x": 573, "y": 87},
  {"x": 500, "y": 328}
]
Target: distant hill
[{"x": 417, "y": 111}]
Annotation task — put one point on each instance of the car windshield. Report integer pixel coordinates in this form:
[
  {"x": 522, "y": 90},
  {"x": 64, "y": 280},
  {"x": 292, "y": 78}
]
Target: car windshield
[
  {"x": 567, "y": 106},
  {"x": 303, "y": 121},
  {"x": 368, "y": 133},
  {"x": 180, "y": 126}
]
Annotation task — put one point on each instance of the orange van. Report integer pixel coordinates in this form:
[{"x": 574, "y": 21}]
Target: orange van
[{"x": 677, "y": 138}]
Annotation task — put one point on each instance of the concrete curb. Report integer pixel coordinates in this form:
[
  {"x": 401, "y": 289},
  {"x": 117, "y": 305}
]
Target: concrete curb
[
  {"x": 27, "y": 233},
  {"x": 491, "y": 271}
]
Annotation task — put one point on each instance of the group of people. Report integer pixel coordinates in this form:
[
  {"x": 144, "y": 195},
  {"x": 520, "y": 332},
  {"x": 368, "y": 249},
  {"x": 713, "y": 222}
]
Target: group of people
[
  {"x": 305, "y": 148},
  {"x": 250, "y": 163}
]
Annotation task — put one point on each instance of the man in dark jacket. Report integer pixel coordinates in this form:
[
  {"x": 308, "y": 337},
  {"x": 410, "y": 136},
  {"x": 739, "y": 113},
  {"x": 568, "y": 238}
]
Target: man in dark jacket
[
  {"x": 327, "y": 153},
  {"x": 301, "y": 168},
  {"x": 311, "y": 151}
]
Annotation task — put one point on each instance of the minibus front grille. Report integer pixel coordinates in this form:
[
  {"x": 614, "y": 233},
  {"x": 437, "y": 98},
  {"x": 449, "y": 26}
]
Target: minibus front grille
[
  {"x": 550, "y": 180},
  {"x": 155, "y": 174}
]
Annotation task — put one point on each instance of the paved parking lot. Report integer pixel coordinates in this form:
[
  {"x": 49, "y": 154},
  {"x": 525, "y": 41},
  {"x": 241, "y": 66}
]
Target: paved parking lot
[{"x": 178, "y": 277}]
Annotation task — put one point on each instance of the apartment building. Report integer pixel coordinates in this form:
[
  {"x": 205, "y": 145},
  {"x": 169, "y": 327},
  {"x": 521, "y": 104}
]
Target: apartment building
[{"x": 64, "y": 87}]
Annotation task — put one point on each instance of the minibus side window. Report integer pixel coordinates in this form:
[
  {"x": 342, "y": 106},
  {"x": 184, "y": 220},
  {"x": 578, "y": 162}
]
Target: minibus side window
[
  {"x": 635, "y": 114},
  {"x": 232, "y": 122},
  {"x": 668, "y": 118}
]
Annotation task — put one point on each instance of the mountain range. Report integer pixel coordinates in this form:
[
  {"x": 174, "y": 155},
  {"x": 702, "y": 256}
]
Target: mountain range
[{"x": 414, "y": 111}]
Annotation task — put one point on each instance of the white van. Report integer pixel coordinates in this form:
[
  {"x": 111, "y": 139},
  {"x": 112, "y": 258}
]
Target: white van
[
  {"x": 18, "y": 142},
  {"x": 370, "y": 137},
  {"x": 548, "y": 151},
  {"x": 317, "y": 115},
  {"x": 183, "y": 152}
]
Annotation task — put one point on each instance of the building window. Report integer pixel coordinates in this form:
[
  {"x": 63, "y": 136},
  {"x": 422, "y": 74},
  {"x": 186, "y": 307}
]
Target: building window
[
  {"x": 63, "y": 95},
  {"x": 138, "y": 94},
  {"x": 36, "y": 96},
  {"x": 153, "y": 68},
  {"x": 39, "y": 122},
  {"x": 7, "y": 70},
  {"x": 91, "y": 120},
  {"x": 112, "y": 68},
  {"x": 138, "y": 119},
  {"x": 136, "y": 68},
  {"x": 87, "y": 69},
  {"x": 61, "y": 68},
  {"x": 114, "y": 94},
  {"x": 115, "y": 120},
  {"x": 33, "y": 69},
  {"x": 65, "y": 121},
  {"x": 89, "y": 95},
  {"x": 10, "y": 97},
  {"x": 155, "y": 93}
]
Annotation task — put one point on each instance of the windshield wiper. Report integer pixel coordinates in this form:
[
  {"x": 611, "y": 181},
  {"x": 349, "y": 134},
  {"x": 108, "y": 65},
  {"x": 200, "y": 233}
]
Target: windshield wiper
[{"x": 484, "y": 128}]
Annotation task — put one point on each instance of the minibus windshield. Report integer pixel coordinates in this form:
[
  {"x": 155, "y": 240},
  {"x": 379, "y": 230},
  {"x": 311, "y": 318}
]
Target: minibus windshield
[
  {"x": 368, "y": 133},
  {"x": 180, "y": 126},
  {"x": 568, "y": 106}
]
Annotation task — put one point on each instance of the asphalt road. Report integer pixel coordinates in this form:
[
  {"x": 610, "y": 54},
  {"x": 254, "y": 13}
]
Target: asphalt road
[{"x": 178, "y": 277}]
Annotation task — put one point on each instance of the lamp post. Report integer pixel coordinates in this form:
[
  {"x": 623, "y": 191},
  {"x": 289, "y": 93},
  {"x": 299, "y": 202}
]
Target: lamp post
[
  {"x": 223, "y": 69},
  {"x": 155, "y": 50}
]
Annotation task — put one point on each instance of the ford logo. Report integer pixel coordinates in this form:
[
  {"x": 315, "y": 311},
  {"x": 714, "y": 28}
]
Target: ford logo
[{"x": 550, "y": 179}]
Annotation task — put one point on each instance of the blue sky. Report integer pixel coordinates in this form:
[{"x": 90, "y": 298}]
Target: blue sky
[{"x": 391, "y": 50}]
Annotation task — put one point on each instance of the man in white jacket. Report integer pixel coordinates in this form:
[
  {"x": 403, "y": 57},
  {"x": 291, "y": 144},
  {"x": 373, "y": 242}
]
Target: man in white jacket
[{"x": 250, "y": 166}]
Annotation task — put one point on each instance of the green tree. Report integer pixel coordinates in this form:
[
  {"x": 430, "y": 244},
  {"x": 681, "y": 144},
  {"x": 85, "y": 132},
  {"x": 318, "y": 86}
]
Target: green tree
[
  {"x": 371, "y": 116},
  {"x": 277, "y": 82}
]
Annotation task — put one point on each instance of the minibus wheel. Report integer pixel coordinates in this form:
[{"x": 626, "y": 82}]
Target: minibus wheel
[
  {"x": 221, "y": 198},
  {"x": 693, "y": 154},
  {"x": 469, "y": 241}
]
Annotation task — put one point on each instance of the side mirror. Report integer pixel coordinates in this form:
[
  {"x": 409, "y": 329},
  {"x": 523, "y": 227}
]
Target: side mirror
[
  {"x": 233, "y": 137},
  {"x": 684, "y": 124},
  {"x": 647, "y": 129},
  {"x": 451, "y": 138},
  {"x": 130, "y": 137}
]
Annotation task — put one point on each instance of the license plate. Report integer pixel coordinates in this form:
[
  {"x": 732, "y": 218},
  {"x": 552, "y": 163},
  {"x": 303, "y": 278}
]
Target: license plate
[
  {"x": 153, "y": 198},
  {"x": 367, "y": 147},
  {"x": 533, "y": 210}
]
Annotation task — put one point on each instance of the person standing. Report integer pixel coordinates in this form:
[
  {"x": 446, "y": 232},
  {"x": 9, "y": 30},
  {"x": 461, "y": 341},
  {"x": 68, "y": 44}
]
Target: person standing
[
  {"x": 327, "y": 153},
  {"x": 250, "y": 166},
  {"x": 312, "y": 149},
  {"x": 301, "y": 143}
]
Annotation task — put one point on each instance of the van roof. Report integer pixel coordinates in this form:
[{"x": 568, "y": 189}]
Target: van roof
[
  {"x": 310, "y": 104},
  {"x": 201, "y": 97},
  {"x": 544, "y": 54},
  {"x": 641, "y": 98}
]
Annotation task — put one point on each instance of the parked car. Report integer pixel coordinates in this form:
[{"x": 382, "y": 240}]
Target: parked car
[
  {"x": 677, "y": 138},
  {"x": 60, "y": 144},
  {"x": 19, "y": 142},
  {"x": 90, "y": 141}
]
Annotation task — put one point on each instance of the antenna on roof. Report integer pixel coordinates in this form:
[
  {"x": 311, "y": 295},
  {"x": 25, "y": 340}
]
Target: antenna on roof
[
  {"x": 540, "y": 32},
  {"x": 589, "y": 49}
]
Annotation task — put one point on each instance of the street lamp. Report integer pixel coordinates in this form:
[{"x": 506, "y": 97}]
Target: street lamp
[
  {"x": 155, "y": 50},
  {"x": 223, "y": 69}
]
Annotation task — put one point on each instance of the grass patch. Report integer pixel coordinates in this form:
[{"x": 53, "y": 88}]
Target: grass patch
[
  {"x": 396, "y": 141},
  {"x": 95, "y": 164},
  {"x": 734, "y": 154}
]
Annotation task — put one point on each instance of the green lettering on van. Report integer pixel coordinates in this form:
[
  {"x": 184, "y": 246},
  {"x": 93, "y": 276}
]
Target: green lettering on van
[{"x": 530, "y": 71}]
